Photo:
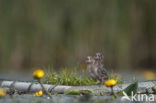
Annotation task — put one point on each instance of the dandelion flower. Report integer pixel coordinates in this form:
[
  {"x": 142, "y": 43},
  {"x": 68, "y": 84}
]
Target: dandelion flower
[
  {"x": 38, "y": 93},
  {"x": 38, "y": 74},
  {"x": 110, "y": 83},
  {"x": 2, "y": 93}
]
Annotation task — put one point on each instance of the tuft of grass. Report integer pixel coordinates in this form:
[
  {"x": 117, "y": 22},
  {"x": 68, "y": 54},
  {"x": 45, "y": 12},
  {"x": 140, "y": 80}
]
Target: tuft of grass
[
  {"x": 68, "y": 78},
  {"x": 75, "y": 78}
]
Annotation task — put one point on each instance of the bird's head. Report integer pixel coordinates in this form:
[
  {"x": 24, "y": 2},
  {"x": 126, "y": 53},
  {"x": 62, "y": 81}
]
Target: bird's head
[
  {"x": 89, "y": 60},
  {"x": 98, "y": 56}
]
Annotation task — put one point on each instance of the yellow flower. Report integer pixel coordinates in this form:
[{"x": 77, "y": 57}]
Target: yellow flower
[
  {"x": 2, "y": 93},
  {"x": 149, "y": 75},
  {"x": 38, "y": 74},
  {"x": 38, "y": 93},
  {"x": 110, "y": 83}
]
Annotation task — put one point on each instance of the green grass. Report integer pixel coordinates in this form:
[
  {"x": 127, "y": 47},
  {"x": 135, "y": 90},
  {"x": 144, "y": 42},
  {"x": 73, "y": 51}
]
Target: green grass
[
  {"x": 73, "y": 78},
  {"x": 68, "y": 78}
]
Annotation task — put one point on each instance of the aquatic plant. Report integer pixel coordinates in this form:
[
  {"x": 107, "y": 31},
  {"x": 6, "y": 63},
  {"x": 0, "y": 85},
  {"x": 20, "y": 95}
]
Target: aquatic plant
[
  {"x": 2, "y": 93},
  {"x": 68, "y": 78},
  {"x": 111, "y": 83},
  {"x": 38, "y": 93},
  {"x": 38, "y": 75}
]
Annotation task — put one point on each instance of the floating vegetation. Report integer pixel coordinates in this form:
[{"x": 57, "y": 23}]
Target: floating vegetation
[
  {"x": 73, "y": 78},
  {"x": 69, "y": 78}
]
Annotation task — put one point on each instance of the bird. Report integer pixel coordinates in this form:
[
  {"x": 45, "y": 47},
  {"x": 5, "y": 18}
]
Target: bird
[
  {"x": 101, "y": 71},
  {"x": 91, "y": 67},
  {"x": 95, "y": 68},
  {"x": 98, "y": 59}
]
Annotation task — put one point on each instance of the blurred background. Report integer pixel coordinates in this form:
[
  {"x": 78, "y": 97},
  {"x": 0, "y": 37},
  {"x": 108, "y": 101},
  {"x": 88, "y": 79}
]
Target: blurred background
[{"x": 62, "y": 33}]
